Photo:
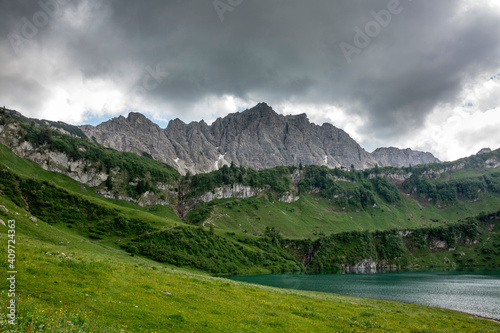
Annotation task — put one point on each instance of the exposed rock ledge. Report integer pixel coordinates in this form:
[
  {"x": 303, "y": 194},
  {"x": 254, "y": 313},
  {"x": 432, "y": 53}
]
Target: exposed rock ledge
[
  {"x": 369, "y": 266},
  {"x": 235, "y": 190},
  {"x": 147, "y": 199},
  {"x": 241, "y": 191},
  {"x": 79, "y": 170}
]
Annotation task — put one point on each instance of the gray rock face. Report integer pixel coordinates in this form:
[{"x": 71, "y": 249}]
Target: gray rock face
[
  {"x": 258, "y": 138},
  {"x": 79, "y": 170},
  {"x": 484, "y": 151},
  {"x": 402, "y": 157},
  {"x": 135, "y": 134},
  {"x": 230, "y": 191}
]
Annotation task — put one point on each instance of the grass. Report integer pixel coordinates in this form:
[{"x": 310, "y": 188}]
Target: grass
[
  {"x": 96, "y": 288},
  {"x": 311, "y": 217}
]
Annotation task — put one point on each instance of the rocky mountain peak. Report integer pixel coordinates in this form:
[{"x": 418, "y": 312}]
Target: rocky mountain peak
[
  {"x": 137, "y": 118},
  {"x": 483, "y": 151},
  {"x": 261, "y": 110},
  {"x": 391, "y": 156},
  {"x": 175, "y": 124},
  {"x": 257, "y": 137}
]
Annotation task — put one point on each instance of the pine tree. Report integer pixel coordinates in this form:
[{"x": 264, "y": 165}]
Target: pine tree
[{"x": 109, "y": 183}]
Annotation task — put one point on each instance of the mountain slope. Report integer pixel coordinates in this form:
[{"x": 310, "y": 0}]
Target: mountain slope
[
  {"x": 111, "y": 173},
  {"x": 318, "y": 200},
  {"x": 258, "y": 138},
  {"x": 303, "y": 202},
  {"x": 402, "y": 157},
  {"x": 72, "y": 284}
]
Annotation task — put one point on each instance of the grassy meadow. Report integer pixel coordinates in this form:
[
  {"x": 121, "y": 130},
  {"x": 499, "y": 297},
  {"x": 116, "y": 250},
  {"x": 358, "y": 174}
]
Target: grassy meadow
[
  {"x": 311, "y": 216},
  {"x": 66, "y": 283}
]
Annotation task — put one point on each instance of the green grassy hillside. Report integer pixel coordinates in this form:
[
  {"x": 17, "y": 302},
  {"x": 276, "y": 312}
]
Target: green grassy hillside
[
  {"x": 66, "y": 283},
  {"x": 57, "y": 198},
  {"x": 312, "y": 216},
  {"x": 334, "y": 200},
  {"x": 146, "y": 232},
  {"x": 230, "y": 236}
]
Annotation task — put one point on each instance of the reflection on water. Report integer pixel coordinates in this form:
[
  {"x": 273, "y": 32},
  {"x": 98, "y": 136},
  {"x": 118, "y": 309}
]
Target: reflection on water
[{"x": 475, "y": 291}]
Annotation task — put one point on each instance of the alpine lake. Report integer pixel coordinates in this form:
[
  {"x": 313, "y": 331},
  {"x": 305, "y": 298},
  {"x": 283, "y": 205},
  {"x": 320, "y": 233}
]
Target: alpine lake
[{"x": 471, "y": 290}]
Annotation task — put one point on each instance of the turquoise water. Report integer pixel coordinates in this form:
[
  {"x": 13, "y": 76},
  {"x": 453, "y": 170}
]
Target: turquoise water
[{"x": 471, "y": 291}]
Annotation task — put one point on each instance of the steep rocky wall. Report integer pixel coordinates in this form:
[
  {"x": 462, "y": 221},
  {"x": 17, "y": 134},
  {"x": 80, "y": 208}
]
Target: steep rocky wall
[
  {"x": 240, "y": 191},
  {"x": 402, "y": 157},
  {"x": 80, "y": 170},
  {"x": 230, "y": 191}
]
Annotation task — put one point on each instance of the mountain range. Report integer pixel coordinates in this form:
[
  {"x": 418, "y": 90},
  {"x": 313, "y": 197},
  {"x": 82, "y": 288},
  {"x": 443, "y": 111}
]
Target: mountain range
[{"x": 258, "y": 138}]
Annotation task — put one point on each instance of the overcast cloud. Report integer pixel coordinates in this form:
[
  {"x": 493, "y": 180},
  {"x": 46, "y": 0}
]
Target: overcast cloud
[{"x": 419, "y": 74}]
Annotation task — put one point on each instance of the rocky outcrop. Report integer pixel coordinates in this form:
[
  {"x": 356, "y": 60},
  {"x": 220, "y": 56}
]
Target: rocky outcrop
[
  {"x": 241, "y": 191},
  {"x": 148, "y": 198},
  {"x": 484, "y": 151},
  {"x": 396, "y": 177},
  {"x": 366, "y": 264},
  {"x": 289, "y": 197},
  {"x": 492, "y": 163},
  {"x": 402, "y": 157},
  {"x": 80, "y": 170},
  {"x": 229, "y": 191}
]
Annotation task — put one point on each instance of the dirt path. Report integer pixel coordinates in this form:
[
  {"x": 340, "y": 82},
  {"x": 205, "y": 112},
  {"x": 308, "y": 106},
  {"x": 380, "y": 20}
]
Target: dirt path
[
  {"x": 416, "y": 201},
  {"x": 212, "y": 218}
]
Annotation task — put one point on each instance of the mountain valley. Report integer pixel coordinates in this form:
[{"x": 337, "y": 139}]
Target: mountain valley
[{"x": 81, "y": 207}]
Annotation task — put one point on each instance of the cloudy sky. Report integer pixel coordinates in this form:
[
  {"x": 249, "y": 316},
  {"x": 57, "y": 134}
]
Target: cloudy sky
[{"x": 418, "y": 74}]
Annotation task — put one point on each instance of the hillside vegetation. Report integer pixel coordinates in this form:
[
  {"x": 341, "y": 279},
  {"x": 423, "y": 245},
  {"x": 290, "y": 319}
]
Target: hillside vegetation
[
  {"x": 329, "y": 200},
  {"x": 89, "y": 263},
  {"x": 335, "y": 200},
  {"x": 145, "y": 232},
  {"x": 59, "y": 147},
  {"x": 68, "y": 283}
]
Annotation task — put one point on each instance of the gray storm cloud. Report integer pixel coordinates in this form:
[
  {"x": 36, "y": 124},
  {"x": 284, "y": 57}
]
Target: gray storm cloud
[{"x": 395, "y": 69}]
